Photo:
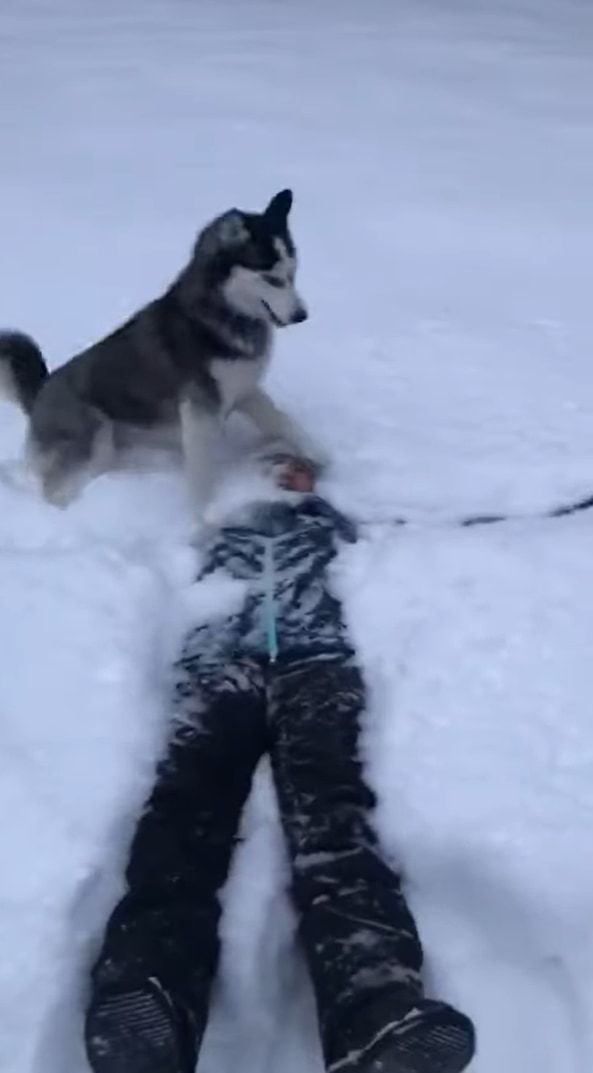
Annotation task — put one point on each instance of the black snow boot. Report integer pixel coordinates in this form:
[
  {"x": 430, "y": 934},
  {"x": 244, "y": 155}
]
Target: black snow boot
[
  {"x": 388, "y": 1035},
  {"x": 139, "y": 1030}
]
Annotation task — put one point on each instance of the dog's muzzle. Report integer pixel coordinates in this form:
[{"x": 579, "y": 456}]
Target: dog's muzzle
[{"x": 299, "y": 315}]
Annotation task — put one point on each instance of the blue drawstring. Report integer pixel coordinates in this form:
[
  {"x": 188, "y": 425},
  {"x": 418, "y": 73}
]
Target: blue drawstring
[{"x": 270, "y": 602}]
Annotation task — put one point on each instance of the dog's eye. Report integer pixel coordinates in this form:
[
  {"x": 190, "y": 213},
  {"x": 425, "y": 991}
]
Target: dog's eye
[{"x": 272, "y": 280}]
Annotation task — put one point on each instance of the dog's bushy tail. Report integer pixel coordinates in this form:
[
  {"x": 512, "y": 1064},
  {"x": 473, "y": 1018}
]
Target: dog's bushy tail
[{"x": 22, "y": 369}]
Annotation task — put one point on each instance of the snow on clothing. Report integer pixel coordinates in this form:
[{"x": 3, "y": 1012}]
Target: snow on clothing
[{"x": 233, "y": 703}]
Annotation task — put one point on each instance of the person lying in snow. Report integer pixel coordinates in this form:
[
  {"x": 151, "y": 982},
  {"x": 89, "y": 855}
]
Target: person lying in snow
[{"x": 278, "y": 675}]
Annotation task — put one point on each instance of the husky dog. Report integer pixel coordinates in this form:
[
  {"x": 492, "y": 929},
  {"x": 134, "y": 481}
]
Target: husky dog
[{"x": 179, "y": 366}]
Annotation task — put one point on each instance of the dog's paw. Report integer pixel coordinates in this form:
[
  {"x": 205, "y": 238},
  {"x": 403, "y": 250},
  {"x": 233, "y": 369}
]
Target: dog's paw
[
  {"x": 201, "y": 536},
  {"x": 206, "y": 525},
  {"x": 60, "y": 497},
  {"x": 315, "y": 455}
]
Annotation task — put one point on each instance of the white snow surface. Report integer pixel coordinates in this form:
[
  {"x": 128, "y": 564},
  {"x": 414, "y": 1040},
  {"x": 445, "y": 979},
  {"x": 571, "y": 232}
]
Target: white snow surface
[{"x": 441, "y": 153}]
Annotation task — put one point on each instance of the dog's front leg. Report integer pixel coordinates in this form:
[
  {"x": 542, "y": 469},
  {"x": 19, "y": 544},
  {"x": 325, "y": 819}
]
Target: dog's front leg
[
  {"x": 274, "y": 424},
  {"x": 200, "y": 438}
]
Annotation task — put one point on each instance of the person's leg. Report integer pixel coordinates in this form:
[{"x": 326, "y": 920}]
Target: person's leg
[
  {"x": 359, "y": 937},
  {"x": 151, "y": 982}
]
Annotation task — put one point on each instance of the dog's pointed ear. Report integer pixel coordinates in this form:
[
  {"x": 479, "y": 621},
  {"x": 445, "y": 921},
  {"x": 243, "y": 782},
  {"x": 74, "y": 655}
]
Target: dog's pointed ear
[
  {"x": 277, "y": 211},
  {"x": 231, "y": 229},
  {"x": 224, "y": 232}
]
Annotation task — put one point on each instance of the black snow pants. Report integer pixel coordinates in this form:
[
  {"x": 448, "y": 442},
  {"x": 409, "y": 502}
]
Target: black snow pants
[{"x": 235, "y": 699}]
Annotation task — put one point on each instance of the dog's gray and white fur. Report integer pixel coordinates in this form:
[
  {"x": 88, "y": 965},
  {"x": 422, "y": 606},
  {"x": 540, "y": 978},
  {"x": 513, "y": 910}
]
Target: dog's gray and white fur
[{"x": 180, "y": 365}]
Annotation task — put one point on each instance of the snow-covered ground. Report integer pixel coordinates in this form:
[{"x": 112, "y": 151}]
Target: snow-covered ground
[{"x": 441, "y": 153}]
